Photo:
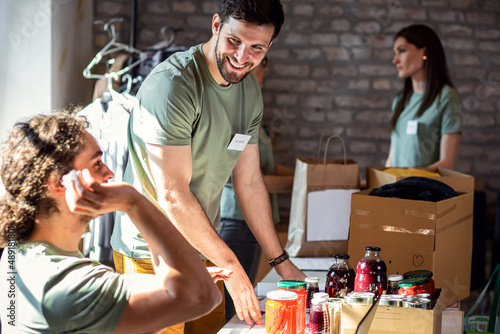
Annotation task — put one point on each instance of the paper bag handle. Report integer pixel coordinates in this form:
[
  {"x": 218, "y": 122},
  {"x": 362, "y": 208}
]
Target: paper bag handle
[{"x": 326, "y": 147}]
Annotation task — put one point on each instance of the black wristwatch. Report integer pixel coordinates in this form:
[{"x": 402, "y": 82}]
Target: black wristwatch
[{"x": 282, "y": 258}]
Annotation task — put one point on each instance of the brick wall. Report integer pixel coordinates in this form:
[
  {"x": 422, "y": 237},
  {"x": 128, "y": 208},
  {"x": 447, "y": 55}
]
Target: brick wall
[{"x": 331, "y": 70}]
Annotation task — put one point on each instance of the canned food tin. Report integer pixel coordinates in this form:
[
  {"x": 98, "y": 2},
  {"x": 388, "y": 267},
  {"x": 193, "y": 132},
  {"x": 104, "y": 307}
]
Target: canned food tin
[
  {"x": 420, "y": 295},
  {"x": 360, "y": 298},
  {"x": 417, "y": 303},
  {"x": 391, "y": 297},
  {"x": 397, "y": 302}
]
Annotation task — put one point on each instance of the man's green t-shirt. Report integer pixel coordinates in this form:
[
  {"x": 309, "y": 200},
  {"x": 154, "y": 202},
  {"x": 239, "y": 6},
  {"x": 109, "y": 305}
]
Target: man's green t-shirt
[
  {"x": 181, "y": 104},
  {"x": 229, "y": 205},
  {"x": 415, "y": 141},
  {"x": 53, "y": 291}
]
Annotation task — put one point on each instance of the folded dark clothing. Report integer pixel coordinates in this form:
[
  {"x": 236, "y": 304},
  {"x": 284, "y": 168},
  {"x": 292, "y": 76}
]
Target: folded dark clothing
[{"x": 417, "y": 188}]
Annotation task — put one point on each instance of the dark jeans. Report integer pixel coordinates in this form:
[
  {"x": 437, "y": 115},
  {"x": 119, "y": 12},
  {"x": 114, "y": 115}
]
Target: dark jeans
[{"x": 240, "y": 239}]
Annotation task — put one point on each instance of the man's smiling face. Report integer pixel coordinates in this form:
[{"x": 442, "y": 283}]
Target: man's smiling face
[{"x": 240, "y": 47}]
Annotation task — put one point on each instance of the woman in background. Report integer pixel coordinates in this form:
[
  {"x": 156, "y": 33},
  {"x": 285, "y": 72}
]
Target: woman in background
[{"x": 427, "y": 115}]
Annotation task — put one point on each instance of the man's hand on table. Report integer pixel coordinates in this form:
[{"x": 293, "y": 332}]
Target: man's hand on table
[
  {"x": 245, "y": 301},
  {"x": 288, "y": 271}
]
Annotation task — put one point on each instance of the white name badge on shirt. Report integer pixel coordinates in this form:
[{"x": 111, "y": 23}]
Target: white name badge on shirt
[
  {"x": 412, "y": 128},
  {"x": 239, "y": 142}
]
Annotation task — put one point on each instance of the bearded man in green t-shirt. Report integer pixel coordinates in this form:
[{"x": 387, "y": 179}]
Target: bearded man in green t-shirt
[{"x": 197, "y": 125}]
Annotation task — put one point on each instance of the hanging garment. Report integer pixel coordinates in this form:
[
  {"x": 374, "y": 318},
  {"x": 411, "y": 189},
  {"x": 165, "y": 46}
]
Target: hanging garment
[
  {"x": 153, "y": 58},
  {"x": 101, "y": 85},
  {"x": 108, "y": 125}
]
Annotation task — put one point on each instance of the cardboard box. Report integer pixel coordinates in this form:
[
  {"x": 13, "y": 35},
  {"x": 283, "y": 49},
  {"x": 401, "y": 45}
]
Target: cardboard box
[
  {"x": 376, "y": 177},
  {"x": 453, "y": 321},
  {"x": 415, "y": 235},
  {"x": 397, "y": 320}
]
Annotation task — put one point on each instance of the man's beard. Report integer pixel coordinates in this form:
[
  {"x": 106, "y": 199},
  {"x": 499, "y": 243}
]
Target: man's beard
[{"x": 232, "y": 78}]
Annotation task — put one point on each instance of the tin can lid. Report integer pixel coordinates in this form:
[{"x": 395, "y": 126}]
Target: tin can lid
[
  {"x": 335, "y": 300},
  {"x": 409, "y": 282},
  {"x": 416, "y": 301},
  {"x": 418, "y": 273},
  {"x": 373, "y": 248},
  {"x": 312, "y": 280},
  {"x": 291, "y": 284},
  {"x": 391, "y": 296},
  {"x": 282, "y": 295}
]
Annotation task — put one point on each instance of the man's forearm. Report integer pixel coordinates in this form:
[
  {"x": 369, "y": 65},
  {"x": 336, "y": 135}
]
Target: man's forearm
[
  {"x": 253, "y": 200},
  {"x": 187, "y": 214}
]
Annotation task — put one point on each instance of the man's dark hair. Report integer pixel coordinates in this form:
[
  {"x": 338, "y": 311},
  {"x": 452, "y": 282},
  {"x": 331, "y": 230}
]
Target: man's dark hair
[
  {"x": 43, "y": 147},
  {"x": 259, "y": 12}
]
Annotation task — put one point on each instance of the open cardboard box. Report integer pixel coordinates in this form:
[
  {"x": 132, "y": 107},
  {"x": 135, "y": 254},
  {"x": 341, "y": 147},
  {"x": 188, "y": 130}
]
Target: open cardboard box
[
  {"x": 376, "y": 177},
  {"x": 415, "y": 235},
  {"x": 396, "y": 320}
]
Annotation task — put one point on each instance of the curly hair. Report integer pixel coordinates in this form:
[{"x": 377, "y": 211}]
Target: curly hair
[{"x": 43, "y": 147}]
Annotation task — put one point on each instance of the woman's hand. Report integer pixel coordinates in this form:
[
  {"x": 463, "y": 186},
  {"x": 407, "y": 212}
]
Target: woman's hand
[{"x": 219, "y": 274}]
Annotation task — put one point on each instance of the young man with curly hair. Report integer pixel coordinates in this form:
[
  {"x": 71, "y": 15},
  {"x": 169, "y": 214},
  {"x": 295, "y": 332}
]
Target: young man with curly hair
[{"x": 51, "y": 287}]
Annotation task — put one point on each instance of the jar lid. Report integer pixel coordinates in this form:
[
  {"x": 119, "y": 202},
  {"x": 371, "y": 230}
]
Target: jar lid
[
  {"x": 291, "y": 284},
  {"x": 418, "y": 273},
  {"x": 409, "y": 282},
  {"x": 373, "y": 248},
  {"x": 312, "y": 280},
  {"x": 282, "y": 295},
  {"x": 395, "y": 277},
  {"x": 320, "y": 295},
  {"x": 318, "y": 301},
  {"x": 341, "y": 256}
]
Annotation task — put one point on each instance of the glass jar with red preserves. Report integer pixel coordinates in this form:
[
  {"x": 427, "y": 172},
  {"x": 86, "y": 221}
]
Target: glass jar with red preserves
[
  {"x": 299, "y": 288},
  {"x": 371, "y": 272},
  {"x": 281, "y": 312},
  {"x": 422, "y": 273},
  {"x": 340, "y": 277},
  {"x": 414, "y": 286}
]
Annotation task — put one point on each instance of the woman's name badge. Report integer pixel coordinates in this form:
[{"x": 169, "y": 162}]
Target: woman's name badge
[
  {"x": 239, "y": 142},
  {"x": 412, "y": 128}
]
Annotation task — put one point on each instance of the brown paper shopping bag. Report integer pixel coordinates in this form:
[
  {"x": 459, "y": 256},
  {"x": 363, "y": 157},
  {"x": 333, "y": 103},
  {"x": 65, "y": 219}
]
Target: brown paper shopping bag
[{"x": 321, "y": 192}]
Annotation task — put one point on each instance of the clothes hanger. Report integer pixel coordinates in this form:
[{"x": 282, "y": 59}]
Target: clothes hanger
[
  {"x": 168, "y": 40},
  {"x": 112, "y": 47}
]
